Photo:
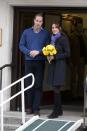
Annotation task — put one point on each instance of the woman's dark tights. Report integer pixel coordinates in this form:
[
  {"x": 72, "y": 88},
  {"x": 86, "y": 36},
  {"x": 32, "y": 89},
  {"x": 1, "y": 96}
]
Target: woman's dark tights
[{"x": 57, "y": 100}]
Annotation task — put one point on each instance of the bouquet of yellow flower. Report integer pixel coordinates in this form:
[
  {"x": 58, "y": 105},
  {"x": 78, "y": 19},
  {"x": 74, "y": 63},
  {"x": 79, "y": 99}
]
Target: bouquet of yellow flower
[{"x": 49, "y": 51}]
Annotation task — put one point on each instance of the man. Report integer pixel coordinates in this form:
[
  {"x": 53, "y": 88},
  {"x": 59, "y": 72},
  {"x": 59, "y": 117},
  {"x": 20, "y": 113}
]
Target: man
[{"x": 31, "y": 43}]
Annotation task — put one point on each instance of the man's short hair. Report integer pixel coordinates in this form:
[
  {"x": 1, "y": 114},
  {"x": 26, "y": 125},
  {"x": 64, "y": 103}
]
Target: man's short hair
[{"x": 39, "y": 14}]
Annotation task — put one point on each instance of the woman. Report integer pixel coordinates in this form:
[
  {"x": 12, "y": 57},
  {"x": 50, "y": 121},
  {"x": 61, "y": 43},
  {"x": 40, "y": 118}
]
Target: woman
[{"x": 57, "y": 68}]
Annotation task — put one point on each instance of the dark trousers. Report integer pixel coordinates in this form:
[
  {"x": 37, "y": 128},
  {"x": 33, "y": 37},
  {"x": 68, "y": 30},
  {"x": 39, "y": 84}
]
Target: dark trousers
[{"x": 33, "y": 96}]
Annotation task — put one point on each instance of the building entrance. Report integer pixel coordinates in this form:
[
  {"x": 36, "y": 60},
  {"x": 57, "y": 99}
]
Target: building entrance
[{"x": 23, "y": 18}]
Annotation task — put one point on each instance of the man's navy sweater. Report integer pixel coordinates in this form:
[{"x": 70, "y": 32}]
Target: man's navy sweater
[{"x": 33, "y": 41}]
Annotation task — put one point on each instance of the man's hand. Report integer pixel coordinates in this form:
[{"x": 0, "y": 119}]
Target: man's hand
[{"x": 34, "y": 53}]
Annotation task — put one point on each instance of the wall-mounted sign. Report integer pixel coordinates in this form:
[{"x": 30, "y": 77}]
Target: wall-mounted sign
[{"x": 0, "y": 37}]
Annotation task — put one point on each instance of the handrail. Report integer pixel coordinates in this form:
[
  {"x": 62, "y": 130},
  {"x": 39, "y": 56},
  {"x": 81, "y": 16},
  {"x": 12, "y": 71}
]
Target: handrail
[
  {"x": 12, "y": 97},
  {"x": 1, "y": 69},
  {"x": 6, "y": 65}
]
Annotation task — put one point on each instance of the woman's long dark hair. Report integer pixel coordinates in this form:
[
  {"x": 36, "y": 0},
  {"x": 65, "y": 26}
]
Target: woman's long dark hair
[{"x": 57, "y": 24}]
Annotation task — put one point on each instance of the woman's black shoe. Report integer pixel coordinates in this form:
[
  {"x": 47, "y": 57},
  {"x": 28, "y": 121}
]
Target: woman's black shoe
[
  {"x": 60, "y": 113},
  {"x": 55, "y": 114}
]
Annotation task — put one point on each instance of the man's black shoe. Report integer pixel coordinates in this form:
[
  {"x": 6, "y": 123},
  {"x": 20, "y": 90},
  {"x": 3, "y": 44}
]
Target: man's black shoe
[
  {"x": 36, "y": 113},
  {"x": 29, "y": 111}
]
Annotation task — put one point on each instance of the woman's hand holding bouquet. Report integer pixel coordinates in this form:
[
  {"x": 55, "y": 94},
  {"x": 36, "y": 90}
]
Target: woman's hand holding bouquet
[{"x": 49, "y": 51}]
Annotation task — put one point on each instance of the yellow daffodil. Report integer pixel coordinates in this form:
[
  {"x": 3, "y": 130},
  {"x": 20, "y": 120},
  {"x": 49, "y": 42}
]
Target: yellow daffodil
[{"x": 49, "y": 50}]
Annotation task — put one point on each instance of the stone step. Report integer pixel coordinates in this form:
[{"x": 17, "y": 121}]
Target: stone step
[
  {"x": 10, "y": 127},
  {"x": 12, "y": 120},
  {"x": 14, "y": 117}
]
